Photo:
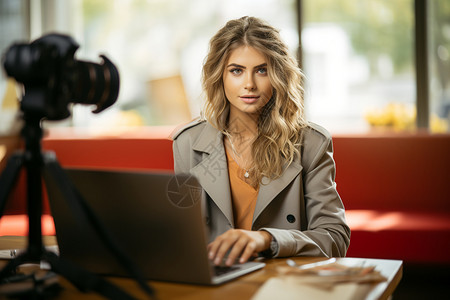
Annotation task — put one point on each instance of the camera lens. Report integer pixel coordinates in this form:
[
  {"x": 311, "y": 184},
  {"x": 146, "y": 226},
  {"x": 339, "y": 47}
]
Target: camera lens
[{"x": 96, "y": 84}]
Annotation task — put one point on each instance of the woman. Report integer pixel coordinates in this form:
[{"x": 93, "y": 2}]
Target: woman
[{"x": 267, "y": 174}]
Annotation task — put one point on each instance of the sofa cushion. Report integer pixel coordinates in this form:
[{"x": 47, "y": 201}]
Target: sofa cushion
[
  {"x": 18, "y": 225},
  {"x": 410, "y": 236}
]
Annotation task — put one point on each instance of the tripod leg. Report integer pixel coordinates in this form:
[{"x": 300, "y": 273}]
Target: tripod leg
[
  {"x": 79, "y": 205},
  {"x": 9, "y": 177},
  {"x": 7, "y": 180},
  {"x": 83, "y": 280}
]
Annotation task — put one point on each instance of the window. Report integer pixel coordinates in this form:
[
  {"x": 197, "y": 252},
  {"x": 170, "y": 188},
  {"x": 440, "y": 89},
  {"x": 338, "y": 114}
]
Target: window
[
  {"x": 358, "y": 56},
  {"x": 358, "y": 60},
  {"x": 13, "y": 27},
  {"x": 439, "y": 64}
]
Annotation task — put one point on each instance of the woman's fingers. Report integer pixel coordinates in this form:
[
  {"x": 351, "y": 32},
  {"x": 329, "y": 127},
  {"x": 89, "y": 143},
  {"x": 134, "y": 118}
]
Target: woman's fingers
[
  {"x": 238, "y": 248},
  {"x": 221, "y": 245},
  {"x": 241, "y": 244},
  {"x": 250, "y": 250}
]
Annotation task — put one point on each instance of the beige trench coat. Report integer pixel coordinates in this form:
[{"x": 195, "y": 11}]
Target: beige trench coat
[{"x": 302, "y": 209}]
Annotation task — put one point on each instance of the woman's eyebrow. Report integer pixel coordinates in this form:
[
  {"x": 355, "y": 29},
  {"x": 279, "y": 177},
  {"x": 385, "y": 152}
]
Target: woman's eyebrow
[
  {"x": 243, "y": 67},
  {"x": 261, "y": 66},
  {"x": 236, "y": 65}
]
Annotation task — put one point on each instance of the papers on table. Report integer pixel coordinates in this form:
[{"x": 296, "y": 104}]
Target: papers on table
[{"x": 323, "y": 281}]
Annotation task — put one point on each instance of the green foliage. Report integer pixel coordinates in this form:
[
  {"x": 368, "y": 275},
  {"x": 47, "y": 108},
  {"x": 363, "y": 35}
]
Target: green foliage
[
  {"x": 95, "y": 9},
  {"x": 375, "y": 27}
]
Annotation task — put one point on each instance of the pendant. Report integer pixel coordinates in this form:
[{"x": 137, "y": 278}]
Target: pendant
[{"x": 246, "y": 174}]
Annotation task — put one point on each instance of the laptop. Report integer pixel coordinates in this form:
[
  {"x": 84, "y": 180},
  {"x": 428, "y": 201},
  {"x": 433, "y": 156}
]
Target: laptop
[{"x": 155, "y": 217}]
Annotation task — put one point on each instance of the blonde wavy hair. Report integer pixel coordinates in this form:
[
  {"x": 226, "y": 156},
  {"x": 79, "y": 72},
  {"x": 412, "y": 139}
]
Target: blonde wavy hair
[{"x": 282, "y": 119}]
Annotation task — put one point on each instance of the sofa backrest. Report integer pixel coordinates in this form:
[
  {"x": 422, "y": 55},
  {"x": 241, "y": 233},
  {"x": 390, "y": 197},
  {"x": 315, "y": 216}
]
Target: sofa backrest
[{"x": 394, "y": 172}]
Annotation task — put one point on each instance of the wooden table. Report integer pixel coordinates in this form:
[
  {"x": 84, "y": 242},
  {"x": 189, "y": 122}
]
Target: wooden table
[{"x": 242, "y": 288}]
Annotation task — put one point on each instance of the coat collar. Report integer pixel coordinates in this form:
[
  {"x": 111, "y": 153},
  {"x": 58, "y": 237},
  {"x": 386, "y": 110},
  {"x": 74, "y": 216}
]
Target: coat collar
[{"x": 212, "y": 173}]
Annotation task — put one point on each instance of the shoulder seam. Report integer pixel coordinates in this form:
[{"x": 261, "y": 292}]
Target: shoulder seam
[
  {"x": 319, "y": 129},
  {"x": 183, "y": 127}
]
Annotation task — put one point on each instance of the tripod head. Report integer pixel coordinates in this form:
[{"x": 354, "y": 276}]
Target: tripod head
[{"x": 53, "y": 78}]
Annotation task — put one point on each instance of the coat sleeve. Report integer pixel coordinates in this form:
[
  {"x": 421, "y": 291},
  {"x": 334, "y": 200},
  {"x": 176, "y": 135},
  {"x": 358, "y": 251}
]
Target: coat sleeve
[{"x": 327, "y": 233}]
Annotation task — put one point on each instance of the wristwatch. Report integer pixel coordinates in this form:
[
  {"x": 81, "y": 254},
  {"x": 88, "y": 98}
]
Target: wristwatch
[
  {"x": 273, "y": 247},
  {"x": 272, "y": 250}
]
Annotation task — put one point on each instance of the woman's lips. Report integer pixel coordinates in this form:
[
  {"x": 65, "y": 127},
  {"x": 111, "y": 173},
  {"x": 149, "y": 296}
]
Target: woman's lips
[{"x": 249, "y": 99}]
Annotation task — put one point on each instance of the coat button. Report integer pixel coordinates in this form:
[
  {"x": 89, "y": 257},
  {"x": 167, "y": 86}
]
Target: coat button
[{"x": 290, "y": 218}]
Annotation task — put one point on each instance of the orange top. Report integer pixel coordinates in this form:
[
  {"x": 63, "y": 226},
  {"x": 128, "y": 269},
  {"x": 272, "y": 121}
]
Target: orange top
[{"x": 243, "y": 195}]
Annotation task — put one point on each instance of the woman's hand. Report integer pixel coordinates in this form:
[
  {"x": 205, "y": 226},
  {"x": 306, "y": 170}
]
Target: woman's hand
[{"x": 243, "y": 243}]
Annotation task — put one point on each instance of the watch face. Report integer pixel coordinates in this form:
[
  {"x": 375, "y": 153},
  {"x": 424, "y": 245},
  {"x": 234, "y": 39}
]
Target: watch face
[{"x": 273, "y": 246}]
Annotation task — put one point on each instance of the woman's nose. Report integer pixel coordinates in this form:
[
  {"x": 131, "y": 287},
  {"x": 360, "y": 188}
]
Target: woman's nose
[{"x": 250, "y": 83}]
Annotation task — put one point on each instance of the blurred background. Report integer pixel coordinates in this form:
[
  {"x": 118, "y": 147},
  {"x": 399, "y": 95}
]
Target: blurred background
[
  {"x": 358, "y": 57},
  {"x": 371, "y": 66}
]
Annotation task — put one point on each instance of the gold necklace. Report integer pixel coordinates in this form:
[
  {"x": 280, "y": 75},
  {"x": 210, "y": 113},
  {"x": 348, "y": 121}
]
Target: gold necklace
[{"x": 233, "y": 153}]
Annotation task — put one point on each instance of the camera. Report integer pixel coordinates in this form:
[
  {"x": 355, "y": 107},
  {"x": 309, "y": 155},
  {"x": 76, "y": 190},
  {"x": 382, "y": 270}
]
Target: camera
[{"x": 53, "y": 78}]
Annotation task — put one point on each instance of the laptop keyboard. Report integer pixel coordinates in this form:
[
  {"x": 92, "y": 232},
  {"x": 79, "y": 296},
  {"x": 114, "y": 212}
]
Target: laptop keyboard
[{"x": 220, "y": 270}]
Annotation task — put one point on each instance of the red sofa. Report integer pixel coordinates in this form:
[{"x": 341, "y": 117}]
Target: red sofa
[
  {"x": 395, "y": 187},
  {"x": 396, "y": 193}
]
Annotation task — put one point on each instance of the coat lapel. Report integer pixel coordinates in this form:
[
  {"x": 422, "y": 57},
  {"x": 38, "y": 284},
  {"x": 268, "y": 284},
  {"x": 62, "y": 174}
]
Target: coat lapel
[
  {"x": 212, "y": 171},
  {"x": 268, "y": 190}
]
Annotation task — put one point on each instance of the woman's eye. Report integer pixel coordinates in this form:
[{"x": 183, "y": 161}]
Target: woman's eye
[
  {"x": 236, "y": 71},
  {"x": 262, "y": 71}
]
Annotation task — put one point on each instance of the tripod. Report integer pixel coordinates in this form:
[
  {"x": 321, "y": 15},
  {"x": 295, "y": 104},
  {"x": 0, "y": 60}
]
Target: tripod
[{"x": 35, "y": 161}]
